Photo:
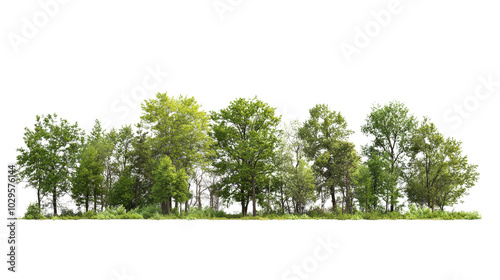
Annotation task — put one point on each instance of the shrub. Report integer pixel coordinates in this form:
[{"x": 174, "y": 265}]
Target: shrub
[
  {"x": 33, "y": 212},
  {"x": 89, "y": 215},
  {"x": 131, "y": 215},
  {"x": 148, "y": 212},
  {"x": 67, "y": 212}
]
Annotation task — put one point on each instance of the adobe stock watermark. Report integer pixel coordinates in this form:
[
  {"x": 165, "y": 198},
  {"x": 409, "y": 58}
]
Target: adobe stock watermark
[
  {"x": 31, "y": 26},
  {"x": 460, "y": 111},
  {"x": 122, "y": 275},
  {"x": 132, "y": 100},
  {"x": 364, "y": 35},
  {"x": 323, "y": 251},
  {"x": 222, "y": 7}
]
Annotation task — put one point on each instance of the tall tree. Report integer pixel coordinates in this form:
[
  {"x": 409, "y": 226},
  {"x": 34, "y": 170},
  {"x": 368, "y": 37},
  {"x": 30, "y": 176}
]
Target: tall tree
[
  {"x": 439, "y": 174},
  {"x": 247, "y": 135},
  {"x": 123, "y": 147},
  {"x": 142, "y": 165},
  {"x": 50, "y": 156},
  {"x": 321, "y": 132},
  {"x": 88, "y": 177},
  {"x": 391, "y": 126},
  {"x": 180, "y": 130},
  {"x": 111, "y": 170}
]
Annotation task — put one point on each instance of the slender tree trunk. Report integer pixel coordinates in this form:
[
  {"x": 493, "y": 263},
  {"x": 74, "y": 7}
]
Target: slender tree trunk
[
  {"x": 39, "y": 199},
  {"x": 253, "y": 196},
  {"x": 137, "y": 192},
  {"x": 163, "y": 207},
  {"x": 87, "y": 203},
  {"x": 54, "y": 201},
  {"x": 334, "y": 203}
]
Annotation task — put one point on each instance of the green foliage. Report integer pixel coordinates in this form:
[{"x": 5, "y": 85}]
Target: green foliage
[
  {"x": 181, "y": 128},
  {"x": 301, "y": 186},
  {"x": 247, "y": 135},
  {"x": 49, "y": 157},
  {"x": 33, "y": 212},
  {"x": 118, "y": 213},
  {"x": 247, "y": 157},
  {"x": 391, "y": 126},
  {"x": 205, "y": 213},
  {"x": 169, "y": 183},
  {"x": 89, "y": 215},
  {"x": 87, "y": 181},
  {"x": 321, "y": 134},
  {"x": 438, "y": 175},
  {"x": 123, "y": 192},
  {"x": 148, "y": 211}
]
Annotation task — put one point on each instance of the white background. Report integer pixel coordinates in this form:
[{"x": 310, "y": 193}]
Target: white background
[{"x": 89, "y": 59}]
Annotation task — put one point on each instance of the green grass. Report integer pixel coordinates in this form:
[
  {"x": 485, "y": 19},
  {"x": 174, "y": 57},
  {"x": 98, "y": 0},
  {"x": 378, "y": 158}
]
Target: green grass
[{"x": 153, "y": 212}]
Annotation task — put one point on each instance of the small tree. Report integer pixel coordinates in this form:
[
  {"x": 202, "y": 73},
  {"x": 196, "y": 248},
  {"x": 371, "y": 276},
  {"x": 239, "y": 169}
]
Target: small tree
[
  {"x": 321, "y": 132},
  {"x": 49, "y": 158},
  {"x": 439, "y": 175},
  {"x": 169, "y": 183}
]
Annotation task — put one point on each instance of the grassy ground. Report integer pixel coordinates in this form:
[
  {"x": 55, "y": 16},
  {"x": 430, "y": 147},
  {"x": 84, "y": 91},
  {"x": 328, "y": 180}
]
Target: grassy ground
[{"x": 152, "y": 212}]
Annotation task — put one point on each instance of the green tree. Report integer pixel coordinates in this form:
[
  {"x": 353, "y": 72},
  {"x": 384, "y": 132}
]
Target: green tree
[
  {"x": 346, "y": 163},
  {"x": 439, "y": 175},
  {"x": 123, "y": 147},
  {"x": 180, "y": 131},
  {"x": 382, "y": 181},
  {"x": 391, "y": 126},
  {"x": 365, "y": 191},
  {"x": 321, "y": 132},
  {"x": 301, "y": 187},
  {"x": 247, "y": 135},
  {"x": 50, "y": 155},
  {"x": 122, "y": 192},
  {"x": 142, "y": 165},
  {"x": 88, "y": 179},
  {"x": 169, "y": 183}
]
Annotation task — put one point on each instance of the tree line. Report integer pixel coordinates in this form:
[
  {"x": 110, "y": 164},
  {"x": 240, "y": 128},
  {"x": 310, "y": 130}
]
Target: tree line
[{"x": 179, "y": 156}]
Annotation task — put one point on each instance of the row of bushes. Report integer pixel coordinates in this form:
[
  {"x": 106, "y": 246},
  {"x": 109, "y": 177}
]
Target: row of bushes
[{"x": 154, "y": 212}]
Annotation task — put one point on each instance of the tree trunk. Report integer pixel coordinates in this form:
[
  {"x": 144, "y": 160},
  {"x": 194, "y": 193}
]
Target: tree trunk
[
  {"x": 54, "y": 202},
  {"x": 334, "y": 203},
  {"x": 253, "y": 196},
  {"x": 137, "y": 192},
  {"x": 163, "y": 207},
  {"x": 39, "y": 199}
]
